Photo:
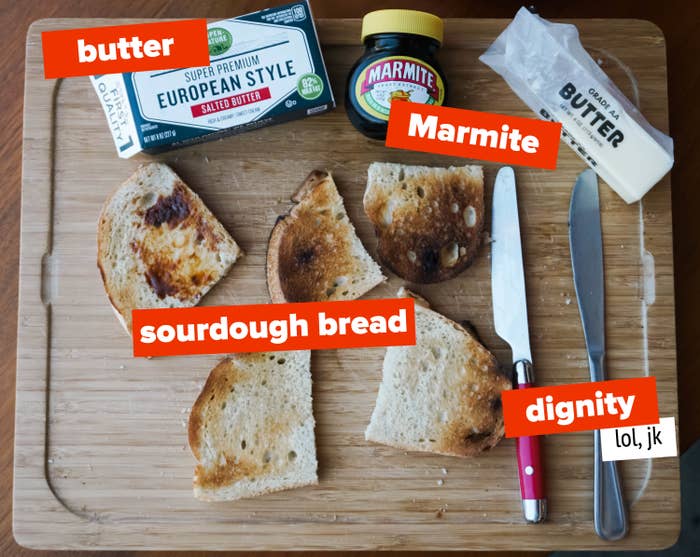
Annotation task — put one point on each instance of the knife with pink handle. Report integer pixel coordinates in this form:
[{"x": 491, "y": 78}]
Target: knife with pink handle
[
  {"x": 530, "y": 468},
  {"x": 510, "y": 321}
]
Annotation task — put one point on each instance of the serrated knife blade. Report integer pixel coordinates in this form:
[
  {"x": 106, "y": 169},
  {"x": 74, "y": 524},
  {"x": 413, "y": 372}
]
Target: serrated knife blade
[
  {"x": 510, "y": 319},
  {"x": 507, "y": 274}
]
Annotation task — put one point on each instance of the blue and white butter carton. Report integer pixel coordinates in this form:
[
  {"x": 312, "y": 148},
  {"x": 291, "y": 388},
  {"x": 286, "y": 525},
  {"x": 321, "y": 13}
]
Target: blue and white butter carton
[{"x": 266, "y": 68}]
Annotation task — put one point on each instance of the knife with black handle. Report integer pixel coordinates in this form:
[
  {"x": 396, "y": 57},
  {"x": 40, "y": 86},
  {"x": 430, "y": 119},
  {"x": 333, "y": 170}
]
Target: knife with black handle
[
  {"x": 585, "y": 240},
  {"x": 510, "y": 321}
]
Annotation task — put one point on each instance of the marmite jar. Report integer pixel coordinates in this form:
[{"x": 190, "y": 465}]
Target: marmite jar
[{"x": 399, "y": 63}]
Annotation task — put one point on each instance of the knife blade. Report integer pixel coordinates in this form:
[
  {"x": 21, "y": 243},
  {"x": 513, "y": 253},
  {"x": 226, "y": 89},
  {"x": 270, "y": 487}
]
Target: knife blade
[
  {"x": 511, "y": 324},
  {"x": 586, "y": 243},
  {"x": 507, "y": 274}
]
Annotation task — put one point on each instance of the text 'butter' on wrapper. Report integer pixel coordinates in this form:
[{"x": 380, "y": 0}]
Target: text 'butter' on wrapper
[
  {"x": 265, "y": 68},
  {"x": 546, "y": 66}
]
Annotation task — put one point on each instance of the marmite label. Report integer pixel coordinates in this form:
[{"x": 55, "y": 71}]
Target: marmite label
[{"x": 397, "y": 77}]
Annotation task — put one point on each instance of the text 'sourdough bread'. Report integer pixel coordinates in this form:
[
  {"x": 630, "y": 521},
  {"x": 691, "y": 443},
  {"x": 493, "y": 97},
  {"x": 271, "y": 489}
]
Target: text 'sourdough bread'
[
  {"x": 428, "y": 220},
  {"x": 158, "y": 245},
  {"x": 314, "y": 253},
  {"x": 252, "y": 427},
  {"x": 442, "y": 395}
]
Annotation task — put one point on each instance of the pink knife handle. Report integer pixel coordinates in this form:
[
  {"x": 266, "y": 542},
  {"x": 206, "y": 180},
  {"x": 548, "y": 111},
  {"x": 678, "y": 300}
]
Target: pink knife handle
[
  {"x": 530, "y": 463},
  {"x": 530, "y": 468}
]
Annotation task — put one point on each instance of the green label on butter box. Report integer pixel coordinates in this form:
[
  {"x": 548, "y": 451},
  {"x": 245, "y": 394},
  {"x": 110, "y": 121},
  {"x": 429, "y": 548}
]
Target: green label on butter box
[{"x": 220, "y": 40}]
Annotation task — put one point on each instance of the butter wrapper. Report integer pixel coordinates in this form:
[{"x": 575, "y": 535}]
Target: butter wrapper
[
  {"x": 265, "y": 68},
  {"x": 546, "y": 66}
]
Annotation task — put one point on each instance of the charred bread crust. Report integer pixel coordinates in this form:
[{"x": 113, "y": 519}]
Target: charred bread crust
[
  {"x": 158, "y": 245},
  {"x": 296, "y": 262},
  {"x": 246, "y": 441},
  {"x": 212, "y": 389},
  {"x": 470, "y": 422},
  {"x": 311, "y": 253},
  {"x": 483, "y": 408},
  {"x": 204, "y": 412},
  {"x": 429, "y": 227}
]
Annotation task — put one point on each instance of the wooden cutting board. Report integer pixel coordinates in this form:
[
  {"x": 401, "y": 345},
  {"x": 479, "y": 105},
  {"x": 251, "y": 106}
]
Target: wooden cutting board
[{"x": 101, "y": 456}]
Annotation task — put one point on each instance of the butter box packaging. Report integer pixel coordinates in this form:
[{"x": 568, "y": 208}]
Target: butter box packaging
[
  {"x": 265, "y": 68},
  {"x": 548, "y": 68}
]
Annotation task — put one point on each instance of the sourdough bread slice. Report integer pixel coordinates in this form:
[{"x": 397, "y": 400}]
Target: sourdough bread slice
[
  {"x": 314, "y": 253},
  {"x": 158, "y": 245},
  {"x": 428, "y": 220},
  {"x": 442, "y": 395},
  {"x": 252, "y": 427}
]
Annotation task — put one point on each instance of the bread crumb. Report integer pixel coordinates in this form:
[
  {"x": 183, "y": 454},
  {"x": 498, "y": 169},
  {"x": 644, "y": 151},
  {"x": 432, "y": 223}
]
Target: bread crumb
[
  {"x": 444, "y": 471},
  {"x": 441, "y": 482},
  {"x": 567, "y": 301}
]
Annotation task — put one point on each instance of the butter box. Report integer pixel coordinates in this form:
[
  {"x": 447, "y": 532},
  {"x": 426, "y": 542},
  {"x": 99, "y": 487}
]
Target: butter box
[
  {"x": 548, "y": 68},
  {"x": 265, "y": 68}
]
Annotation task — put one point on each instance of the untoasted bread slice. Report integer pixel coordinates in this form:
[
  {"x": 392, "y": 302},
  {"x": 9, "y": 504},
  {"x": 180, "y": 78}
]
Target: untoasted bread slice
[
  {"x": 442, "y": 395},
  {"x": 158, "y": 245},
  {"x": 428, "y": 220},
  {"x": 252, "y": 427},
  {"x": 314, "y": 253}
]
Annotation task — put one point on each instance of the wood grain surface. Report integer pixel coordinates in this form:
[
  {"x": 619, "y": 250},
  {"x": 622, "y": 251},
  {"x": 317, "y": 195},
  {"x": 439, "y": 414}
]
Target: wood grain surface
[
  {"x": 99, "y": 450},
  {"x": 682, "y": 128}
]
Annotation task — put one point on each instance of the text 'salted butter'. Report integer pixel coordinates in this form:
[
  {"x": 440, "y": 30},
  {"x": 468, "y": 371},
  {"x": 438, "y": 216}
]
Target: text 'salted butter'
[{"x": 265, "y": 68}]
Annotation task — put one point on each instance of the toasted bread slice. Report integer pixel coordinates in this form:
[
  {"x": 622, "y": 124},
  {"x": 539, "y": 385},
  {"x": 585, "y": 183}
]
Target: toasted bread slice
[
  {"x": 442, "y": 395},
  {"x": 314, "y": 253},
  {"x": 158, "y": 245},
  {"x": 428, "y": 220},
  {"x": 252, "y": 427}
]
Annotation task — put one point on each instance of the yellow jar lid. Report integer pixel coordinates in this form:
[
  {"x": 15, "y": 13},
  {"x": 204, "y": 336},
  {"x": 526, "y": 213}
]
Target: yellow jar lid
[{"x": 402, "y": 21}]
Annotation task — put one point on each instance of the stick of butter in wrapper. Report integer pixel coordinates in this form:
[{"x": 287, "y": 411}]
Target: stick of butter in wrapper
[
  {"x": 546, "y": 66},
  {"x": 265, "y": 68}
]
